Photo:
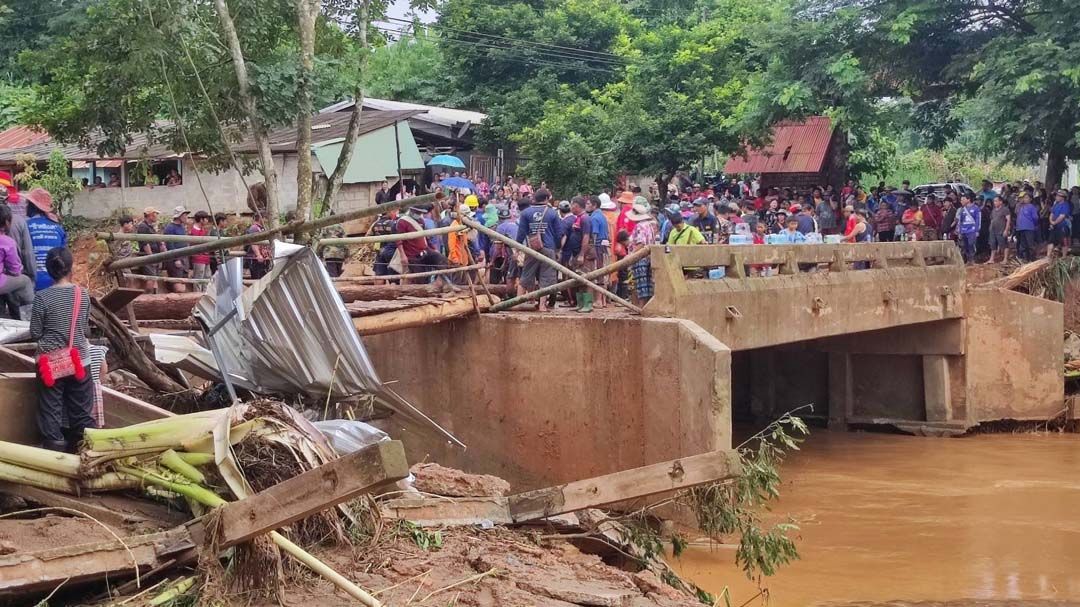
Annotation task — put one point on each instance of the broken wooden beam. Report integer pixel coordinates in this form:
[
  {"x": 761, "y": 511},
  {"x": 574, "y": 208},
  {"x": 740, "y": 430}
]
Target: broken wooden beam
[
  {"x": 449, "y": 511},
  {"x": 310, "y": 492},
  {"x": 42, "y": 570},
  {"x": 422, "y": 314},
  {"x": 632, "y": 484},
  {"x": 115, "y": 510}
]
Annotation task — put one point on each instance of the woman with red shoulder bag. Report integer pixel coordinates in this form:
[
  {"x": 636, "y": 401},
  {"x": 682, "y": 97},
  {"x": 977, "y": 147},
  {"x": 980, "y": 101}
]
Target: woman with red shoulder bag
[{"x": 58, "y": 324}]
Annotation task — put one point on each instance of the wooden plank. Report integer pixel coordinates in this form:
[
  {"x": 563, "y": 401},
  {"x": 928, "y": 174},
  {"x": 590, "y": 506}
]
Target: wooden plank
[
  {"x": 458, "y": 511},
  {"x": 428, "y": 313},
  {"x": 119, "y": 298},
  {"x": 313, "y": 491},
  {"x": 115, "y": 510},
  {"x": 22, "y": 573},
  {"x": 626, "y": 485}
]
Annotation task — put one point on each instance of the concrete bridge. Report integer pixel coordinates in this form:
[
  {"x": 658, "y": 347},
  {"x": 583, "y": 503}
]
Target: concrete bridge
[
  {"x": 550, "y": 398},
  {"x": 905, "y": 283}
]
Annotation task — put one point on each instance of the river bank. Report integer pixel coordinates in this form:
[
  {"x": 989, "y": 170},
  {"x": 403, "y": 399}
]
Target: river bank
[{"x": 887, "y": 518}]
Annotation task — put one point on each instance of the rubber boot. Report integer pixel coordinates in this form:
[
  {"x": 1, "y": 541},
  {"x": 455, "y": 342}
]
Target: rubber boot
[
  {"x": 587, "y": 306},
  {"x": 580, "y": 297}
]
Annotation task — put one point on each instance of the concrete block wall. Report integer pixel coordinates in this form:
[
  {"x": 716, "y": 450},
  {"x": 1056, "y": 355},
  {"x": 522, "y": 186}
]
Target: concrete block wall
[{"x": 543, "y": 399}]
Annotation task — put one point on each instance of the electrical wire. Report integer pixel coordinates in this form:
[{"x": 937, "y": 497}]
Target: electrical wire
[
  {"x": 557, "y": 61},
  {"x": 555, "y": 47}
]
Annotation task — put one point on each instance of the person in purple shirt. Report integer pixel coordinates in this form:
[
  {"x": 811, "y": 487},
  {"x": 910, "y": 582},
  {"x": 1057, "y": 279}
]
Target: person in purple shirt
[
  {"x": 14, "y": 285},
  {"x": 1027, "y": 222},
  {"x": 968, "y": 224},
  {"x": 501, "y": 265},
  {"x": 1060, "y": 224}
]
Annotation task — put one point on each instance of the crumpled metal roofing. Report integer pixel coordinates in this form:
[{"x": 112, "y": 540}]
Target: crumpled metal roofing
[{"x": 291, "y": 333}]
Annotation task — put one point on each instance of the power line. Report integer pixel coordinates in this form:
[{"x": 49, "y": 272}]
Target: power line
[
  {"x": 555, "y": 47},
  {"x": 558, "y": 61},
  {"x": 553, "y": 61}
]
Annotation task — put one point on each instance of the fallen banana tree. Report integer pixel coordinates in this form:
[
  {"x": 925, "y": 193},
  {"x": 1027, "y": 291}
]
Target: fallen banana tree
[{"x": 257, "y": 476}]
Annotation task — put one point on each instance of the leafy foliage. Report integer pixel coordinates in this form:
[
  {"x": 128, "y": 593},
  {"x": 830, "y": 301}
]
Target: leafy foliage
[
  {"x": 412, "y": 70},
  {"x": 734, "y": 508},
  {"x": 54, "y": 178}
]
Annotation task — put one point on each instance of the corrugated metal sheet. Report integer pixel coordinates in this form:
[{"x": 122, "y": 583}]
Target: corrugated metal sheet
[
  {"x": 797, "y": 147},
  {"x": 20, "y": 136},
  {"x": 291, "y": 334}
]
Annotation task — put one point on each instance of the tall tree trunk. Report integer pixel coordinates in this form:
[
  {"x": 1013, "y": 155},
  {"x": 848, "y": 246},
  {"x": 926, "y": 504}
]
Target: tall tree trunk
[
  {"x": 1056, "y": 163},
  {"x": 839, "y": 167},
  {"x": 353, "y": 132},
  {"x": 306, "y": 13},
  {"x": 258, "y": 129}
]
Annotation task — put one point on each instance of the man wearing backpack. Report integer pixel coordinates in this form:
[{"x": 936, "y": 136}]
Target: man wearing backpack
[{"x": 537, "y": 229}]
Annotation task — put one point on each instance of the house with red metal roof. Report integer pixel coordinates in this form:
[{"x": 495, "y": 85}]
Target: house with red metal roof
[{"x": 800, "y": 155}]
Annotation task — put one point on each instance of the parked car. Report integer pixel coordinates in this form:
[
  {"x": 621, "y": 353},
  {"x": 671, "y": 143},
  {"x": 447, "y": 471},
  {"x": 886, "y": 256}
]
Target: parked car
[{"x": 941, "y": 189}]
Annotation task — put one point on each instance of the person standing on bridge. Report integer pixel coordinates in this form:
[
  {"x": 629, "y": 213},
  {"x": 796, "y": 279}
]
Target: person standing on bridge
[
  {"x": 968, "y": 222},
  {"x": 1060, "y": 224},
  {"x": 1000, "y": 227},
  {"x": 1027, "y": 222}
]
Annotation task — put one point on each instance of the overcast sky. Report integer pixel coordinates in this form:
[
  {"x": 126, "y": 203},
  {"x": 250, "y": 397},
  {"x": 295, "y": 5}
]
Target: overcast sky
[{"x": 400, "y": 9}]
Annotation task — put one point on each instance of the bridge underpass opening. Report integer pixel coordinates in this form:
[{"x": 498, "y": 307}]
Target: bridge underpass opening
[{"x": 841, "y": 388}]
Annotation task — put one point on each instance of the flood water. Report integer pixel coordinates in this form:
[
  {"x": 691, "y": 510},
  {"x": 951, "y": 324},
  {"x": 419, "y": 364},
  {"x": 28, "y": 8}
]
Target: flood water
[{"x": 982, "y": 520}]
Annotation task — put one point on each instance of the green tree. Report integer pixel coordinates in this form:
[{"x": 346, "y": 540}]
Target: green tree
[
  {"x": 411, "y": 69},
  {"x": 1013, "y": 61},
  {"x": 678, "y": 99},
  {"x": 55, "y": 178}
]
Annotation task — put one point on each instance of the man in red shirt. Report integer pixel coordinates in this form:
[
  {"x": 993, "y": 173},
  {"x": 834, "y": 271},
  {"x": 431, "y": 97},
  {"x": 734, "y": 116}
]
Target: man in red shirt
[{"x": 419, "y": 254}]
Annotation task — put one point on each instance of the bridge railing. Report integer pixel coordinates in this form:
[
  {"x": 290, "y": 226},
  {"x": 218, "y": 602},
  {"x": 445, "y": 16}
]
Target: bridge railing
[{"x": 789, "y": 258}]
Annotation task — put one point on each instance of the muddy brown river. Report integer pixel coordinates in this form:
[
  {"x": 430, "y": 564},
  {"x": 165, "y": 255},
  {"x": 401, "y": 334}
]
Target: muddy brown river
[{"x": 897, "y": 520}]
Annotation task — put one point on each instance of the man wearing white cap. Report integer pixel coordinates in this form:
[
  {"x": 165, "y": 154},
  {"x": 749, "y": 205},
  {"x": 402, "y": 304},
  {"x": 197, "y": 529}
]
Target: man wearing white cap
[{"x": 177, "y": 268}]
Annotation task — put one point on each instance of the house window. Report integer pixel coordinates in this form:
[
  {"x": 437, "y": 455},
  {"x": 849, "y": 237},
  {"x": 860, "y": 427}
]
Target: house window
[{"x": 160, "y": 171}]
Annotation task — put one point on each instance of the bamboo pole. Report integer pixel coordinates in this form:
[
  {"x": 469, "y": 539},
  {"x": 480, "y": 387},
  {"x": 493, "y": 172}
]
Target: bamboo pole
[
  {"x": 390, "y": 237},
  {"x": 290, "y": 228},
  {"x": 342, "y": 279},
  {"x": 362, "y": 279},
  {"x": 629, "y": 260},
  {"x": 513, "y": 244},
  {"x": 122, "y": 236}
]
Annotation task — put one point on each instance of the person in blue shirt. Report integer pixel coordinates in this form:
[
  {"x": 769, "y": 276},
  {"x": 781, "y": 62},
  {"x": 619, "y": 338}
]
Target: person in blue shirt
[
  {"x": 596, "y": 251},
  {"x": 987, "y": 194},
  {"x": 791, "y": 235},
  {"x": 46, "y": 233},
  {"x": 1027, "y": 222},
  {"x": 968, "y": 224},
  {"x": 537, "y": 229},
  {"x": 1060, "y": 224}
]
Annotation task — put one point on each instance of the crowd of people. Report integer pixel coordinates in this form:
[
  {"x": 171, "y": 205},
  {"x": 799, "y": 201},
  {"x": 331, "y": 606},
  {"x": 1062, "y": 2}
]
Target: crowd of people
[
  {"x": 588, "y": 232},
  {"x": 36, "y": 285}
]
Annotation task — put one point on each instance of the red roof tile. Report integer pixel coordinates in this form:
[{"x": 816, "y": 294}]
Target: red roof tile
[
  {"x": 20, "y": 136},
  {"x": 797, "y": 147}
]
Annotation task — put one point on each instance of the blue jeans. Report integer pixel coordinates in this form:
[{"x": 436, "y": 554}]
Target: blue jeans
[{"x": 967, "y": 246}]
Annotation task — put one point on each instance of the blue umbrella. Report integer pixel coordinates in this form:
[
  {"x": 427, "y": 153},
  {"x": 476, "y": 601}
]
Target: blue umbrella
[
  {"x": 457, "y": 182},
  {"x": 447, "y": 160}
]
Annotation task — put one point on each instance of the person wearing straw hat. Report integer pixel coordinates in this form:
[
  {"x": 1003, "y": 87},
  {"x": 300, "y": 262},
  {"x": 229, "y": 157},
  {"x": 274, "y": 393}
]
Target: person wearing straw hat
[
  {"x": 646, "y": 233},
  {"x": 46, "y": 233}
]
